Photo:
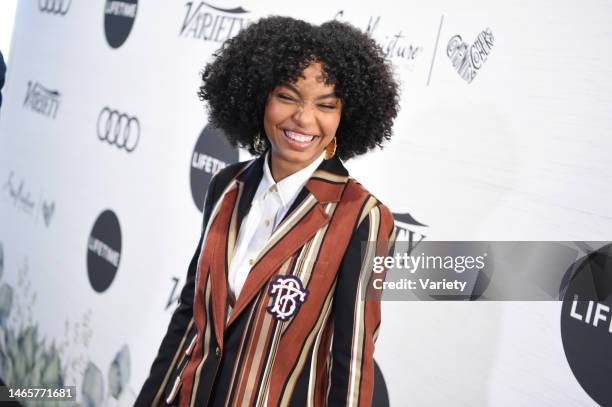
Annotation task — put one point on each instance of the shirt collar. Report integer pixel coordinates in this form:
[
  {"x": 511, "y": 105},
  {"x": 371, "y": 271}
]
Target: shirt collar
[{"x": 289, "y": 186}]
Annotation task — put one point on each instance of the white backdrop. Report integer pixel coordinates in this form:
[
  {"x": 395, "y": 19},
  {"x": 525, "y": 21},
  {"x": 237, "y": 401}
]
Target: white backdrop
[{"x": 521, "y": 152}]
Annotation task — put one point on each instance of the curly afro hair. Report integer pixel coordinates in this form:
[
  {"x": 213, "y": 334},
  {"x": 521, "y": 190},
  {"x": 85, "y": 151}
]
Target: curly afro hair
[{"x": 275, "y": 50}]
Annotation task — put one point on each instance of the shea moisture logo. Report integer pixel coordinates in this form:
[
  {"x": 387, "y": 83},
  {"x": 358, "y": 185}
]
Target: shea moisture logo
[
  {"x": 394, "y": 44},
  {"x": 207, "y": 22},
  {"x": 469, "y": 59},
  {"x": 42, "y": 100}
]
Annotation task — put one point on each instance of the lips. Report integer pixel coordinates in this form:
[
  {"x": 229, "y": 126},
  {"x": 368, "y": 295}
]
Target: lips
[
  {"x": 299, "y": 140},
  {"x": 302, "y": 138}
]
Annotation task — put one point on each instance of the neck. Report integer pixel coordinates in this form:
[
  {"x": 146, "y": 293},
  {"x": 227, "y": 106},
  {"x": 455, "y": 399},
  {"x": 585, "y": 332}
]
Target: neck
[{"x": 282, "y": 168}]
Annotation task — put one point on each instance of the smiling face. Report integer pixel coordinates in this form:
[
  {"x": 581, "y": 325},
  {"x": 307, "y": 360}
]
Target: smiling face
[{"x": 300, "y": 120}]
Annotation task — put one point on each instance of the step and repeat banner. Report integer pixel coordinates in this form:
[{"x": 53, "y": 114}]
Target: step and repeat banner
[{"x": 106, "y": 154}]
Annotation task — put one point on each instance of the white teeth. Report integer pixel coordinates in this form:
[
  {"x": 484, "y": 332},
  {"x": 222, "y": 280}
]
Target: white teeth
[{"x": 298, "y": 137}]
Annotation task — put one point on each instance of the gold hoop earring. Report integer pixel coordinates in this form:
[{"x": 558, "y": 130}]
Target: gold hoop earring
[
  {"x": 330, "y": 150},
  {"x": 258, "y": 144}
]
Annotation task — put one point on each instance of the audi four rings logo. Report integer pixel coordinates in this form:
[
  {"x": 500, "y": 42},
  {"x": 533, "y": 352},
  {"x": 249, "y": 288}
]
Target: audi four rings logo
[
  {"x": 54, "y": 6},
  {"x": 118, "y": 129}
]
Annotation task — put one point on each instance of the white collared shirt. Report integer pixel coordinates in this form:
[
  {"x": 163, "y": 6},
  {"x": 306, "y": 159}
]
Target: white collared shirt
[{"x": 270, "y": 203}]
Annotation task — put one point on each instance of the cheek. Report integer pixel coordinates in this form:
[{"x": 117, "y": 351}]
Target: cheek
[
  {"x": 330, "y": 125},
  {"x": 275, "y": 113}
]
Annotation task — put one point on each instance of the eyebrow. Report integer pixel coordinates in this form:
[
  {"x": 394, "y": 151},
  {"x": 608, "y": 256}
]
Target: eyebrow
[{"x": 293, "y": 88}]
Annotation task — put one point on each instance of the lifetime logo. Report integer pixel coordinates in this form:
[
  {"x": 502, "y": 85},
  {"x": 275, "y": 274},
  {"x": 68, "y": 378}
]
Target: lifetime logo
[
  {"x": 121, "y": 9},
  {"x": 60, "y": 7},
  {"x": 119, "y": 17},
  {"x": 118, "y": 129},
  {"x": 104, "y": 251},
  {"x": 595, "y": 312},
  {"x": 206, "y": 163}
]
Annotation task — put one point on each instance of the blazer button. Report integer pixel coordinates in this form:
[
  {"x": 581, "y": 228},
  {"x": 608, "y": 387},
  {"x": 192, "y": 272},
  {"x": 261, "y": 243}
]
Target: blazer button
[{"x": 218, "y": 351}]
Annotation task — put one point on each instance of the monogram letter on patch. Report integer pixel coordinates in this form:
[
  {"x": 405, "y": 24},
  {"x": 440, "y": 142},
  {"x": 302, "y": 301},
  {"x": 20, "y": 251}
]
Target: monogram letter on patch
[{"x": 288, "y": 294}]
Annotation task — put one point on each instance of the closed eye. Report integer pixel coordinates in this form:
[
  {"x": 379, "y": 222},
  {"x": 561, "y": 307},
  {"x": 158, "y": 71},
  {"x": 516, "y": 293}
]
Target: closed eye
[
  {"x": 328, "y": 106},
  {"x": 284, "y": 96}
]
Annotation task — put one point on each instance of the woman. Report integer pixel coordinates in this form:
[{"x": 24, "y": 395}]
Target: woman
[{"x": 272, "y": 312}]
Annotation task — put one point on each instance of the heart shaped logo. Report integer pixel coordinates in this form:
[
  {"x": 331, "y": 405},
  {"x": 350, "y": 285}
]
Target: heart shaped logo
[{"x": 468, "y": 59}]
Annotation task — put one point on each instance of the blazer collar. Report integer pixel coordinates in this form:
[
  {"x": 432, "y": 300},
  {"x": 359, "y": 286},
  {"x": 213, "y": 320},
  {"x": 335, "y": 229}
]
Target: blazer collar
[{"x": 326, "y": 183}]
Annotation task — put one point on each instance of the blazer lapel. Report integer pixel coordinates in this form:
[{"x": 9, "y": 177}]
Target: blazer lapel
[
  {"x": 250, "y": 178},
  {"x": 304, "y": 218},
  {"x": 223, "y": 232},
  {"x": 235, "y": 202}
]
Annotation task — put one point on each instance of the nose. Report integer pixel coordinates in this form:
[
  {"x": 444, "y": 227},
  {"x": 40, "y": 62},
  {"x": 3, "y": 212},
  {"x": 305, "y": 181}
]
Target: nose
[{"x": 303, "y": 115}]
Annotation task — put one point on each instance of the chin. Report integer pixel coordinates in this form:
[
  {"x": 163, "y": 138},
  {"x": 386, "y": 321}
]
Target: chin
[{"x": 296, "y": 157}]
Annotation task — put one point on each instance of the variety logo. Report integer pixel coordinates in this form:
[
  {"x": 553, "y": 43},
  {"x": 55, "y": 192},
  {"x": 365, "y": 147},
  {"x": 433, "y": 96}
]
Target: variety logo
[
  {"x": 54, "y": 6},
  {"x": 586, "y": 323},
  {"x": 23, "y": 200},
  {"x": 212, "y": 153},
  {"x": 468, "y": 59},
  {"x": 104, "y": 251},
  {"x": 405, "y": 226},
  {"x": 118, "y": 129},
  {"x": 288, "y": 294},
  {"x": 119, "y": 19},
  {"x": 175, "y": 294},
  {"x": 204, "y": 21},
  {"x": 42, "y": 100},
  {"x": 395, "y": 46}
]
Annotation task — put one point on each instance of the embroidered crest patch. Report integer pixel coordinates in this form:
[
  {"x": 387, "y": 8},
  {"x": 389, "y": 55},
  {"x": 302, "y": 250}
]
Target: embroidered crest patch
[{"x": 288, "y": 294}]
